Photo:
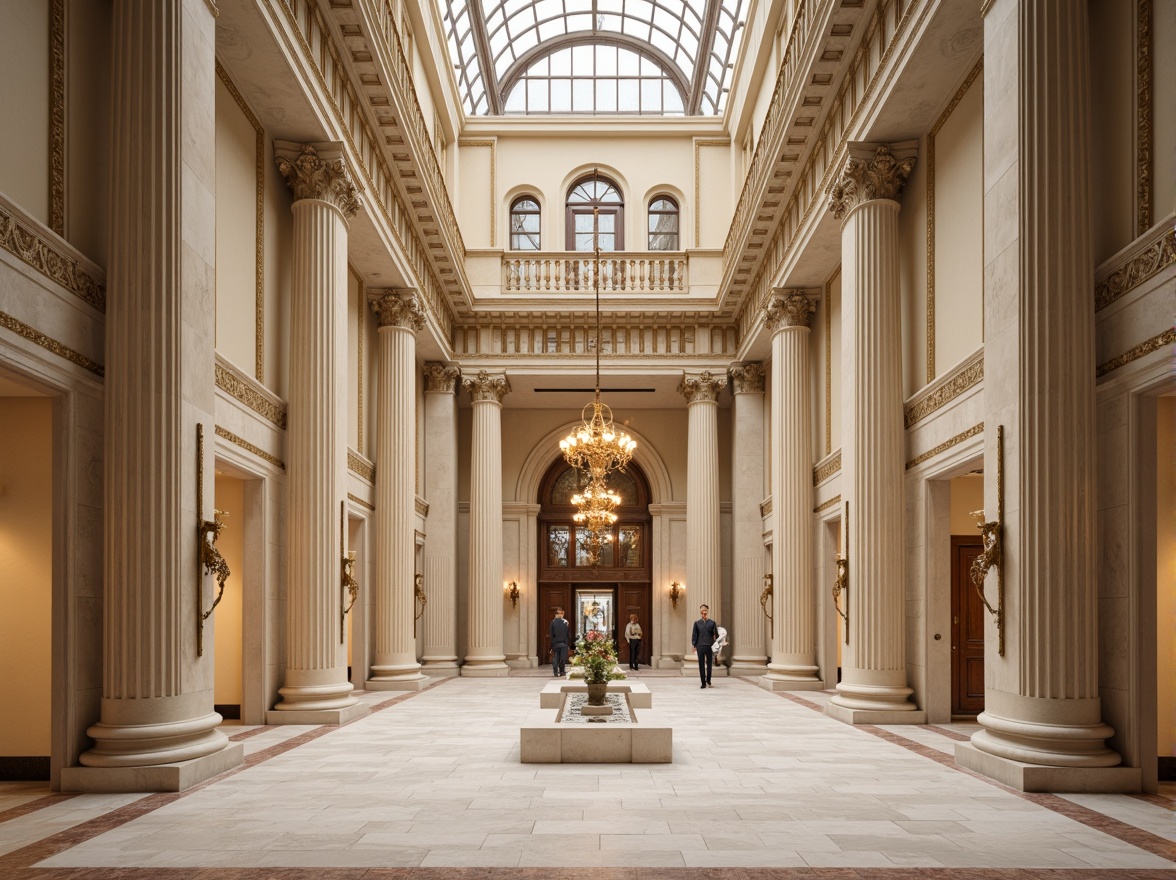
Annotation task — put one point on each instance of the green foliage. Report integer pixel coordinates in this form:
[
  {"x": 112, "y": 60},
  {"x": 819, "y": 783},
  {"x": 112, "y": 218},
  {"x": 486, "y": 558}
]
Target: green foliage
[{"x": 597, "y": 656}]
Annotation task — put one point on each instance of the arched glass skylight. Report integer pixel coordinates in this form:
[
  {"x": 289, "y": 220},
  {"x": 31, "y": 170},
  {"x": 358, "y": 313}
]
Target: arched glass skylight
[{"x": 508, "y": 53}]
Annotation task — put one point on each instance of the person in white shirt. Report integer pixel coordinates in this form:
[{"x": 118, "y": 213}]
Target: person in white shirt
[{"x": 633, "y": 634}]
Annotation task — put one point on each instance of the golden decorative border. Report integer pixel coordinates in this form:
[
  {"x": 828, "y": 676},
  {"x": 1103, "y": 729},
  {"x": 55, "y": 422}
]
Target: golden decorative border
[
  {"x": 50, "y": 344},
  {"x": 361, "y": 502},
  {"x": 836, "y": 499},
  {"x": 930, "y": 295},
  {"x": 1144, "y": 135},
  {"x": 358, "y": 466},
  {"x": 493, "y": 145},
  {"x": 702, "y": 142},
  {"x": 969, "y": 377},
  {"x": 945, "y": 445},
  {"x": 239, "y": 389},
  {"x": 249, "y": 447},
  {"x": 422, "y": 507},
  {"x": 829, "y": 362},
  {"x": 26, "y": 244},
  {"x": 57, "y": 117},
  {"x": 828, "y": 469},
  {"x": 1158, "y": 256},
  {"x": 259, "y": 220},
  {"x": 359, "y": 369},
  {"x": 1168, "y": 337}
]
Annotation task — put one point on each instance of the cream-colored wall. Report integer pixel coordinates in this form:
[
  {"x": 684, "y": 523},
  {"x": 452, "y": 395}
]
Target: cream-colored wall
[
  {"x": 24, "y": 106},
  {"x": 1163, "y": 110},
  {"x": 967, "y": 494},
  {"x": 717, "y": 195},
  {"x": 1112, "y": 94},
  {"x": 355, "y": 307},
  {"x": 912, "y": 244},
  {"x": 227, "y": 619},
  {"x": 475, "y": 199},
  {"x": 959, "y": 231},
  {"x": 26, "y": 589},
  {"x": 834, "y": 413},
  {"x": 236, "y": 233},
  {"x": 87, "y": 102},
  {"x": 279, "y": 237},
  {"x": 1166, "y": 577}
]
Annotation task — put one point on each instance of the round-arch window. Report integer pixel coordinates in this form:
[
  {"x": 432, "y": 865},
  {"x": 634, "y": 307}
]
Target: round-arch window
[
  {"x": 524, "y": 224},
  {"x": 572, "y": 481},
  {"x": 595, "y": 213},
  {"x": 663, "y": 224}
]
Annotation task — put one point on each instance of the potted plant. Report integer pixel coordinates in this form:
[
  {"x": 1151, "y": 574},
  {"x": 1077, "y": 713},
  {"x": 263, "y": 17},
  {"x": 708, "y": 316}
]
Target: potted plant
[{"x": 597, "y": 657}]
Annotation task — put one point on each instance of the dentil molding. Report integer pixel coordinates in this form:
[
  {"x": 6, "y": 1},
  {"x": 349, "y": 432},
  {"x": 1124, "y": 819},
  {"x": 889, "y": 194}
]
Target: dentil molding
[
  {"x": 317, "y": 171},
  {"x": 872, "y": 171},
  {"x": 397, "y": 310}
]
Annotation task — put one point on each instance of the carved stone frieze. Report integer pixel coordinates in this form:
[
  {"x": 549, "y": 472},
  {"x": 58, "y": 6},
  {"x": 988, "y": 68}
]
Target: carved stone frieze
[
  {"x": 440, "y": 378},
  {"x": 1156, "y": 257},
  {"x": 57, "y": 116},
  {"x": 953, "y": 386},
  {"x": 1160, "y": 340},
  {"x": 8, "y": 322},
  {"x": 24, "y": 243},
  {"x": 487, "y": 386},
  {"x": 748, "y": 378},
  {"x": 696, "y": 387},
  {"x": 240, "y": 388},
  {"x": 359, "y": 465},
  {"x": 317, "y": 171},
  {"x": 829, "y": 468},
  {"x": 945, "y": 445},
  {"x": 872, "y": 171},
  {"x": 249, "y": 447},
  {"x": 792, "y": 308},
  {"x": 397, "y": 310}
]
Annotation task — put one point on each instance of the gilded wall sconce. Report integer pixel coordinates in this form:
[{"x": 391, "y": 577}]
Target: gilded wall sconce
[
  {"x": 765, "y": 597},
  {"x": 677, "y": 591},
  {"x": 841, "y": 583},
  {"x": 208, "y": 558},
  {"x": 511, "y": 589},
  {"x": 348, "y": 585},
  {"x": 990, "y": 557},
  {"x": 419, "y": 599}
]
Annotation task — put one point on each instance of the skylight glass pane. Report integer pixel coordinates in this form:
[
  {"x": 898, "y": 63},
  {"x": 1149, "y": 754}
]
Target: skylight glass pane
[
  {"x": 582, "y": 95},
  {"x": 629, "y": 98},
  {"x": 628, "y": 64},
  {"x": 606, "y": 60},
  {"x": 561, "y": 96},
  {"x": 606, "y": 96},
  {"x": 561, "y": 63},
  {"x": 515, "y": 101},
  {"x": 536, "y": 96}
]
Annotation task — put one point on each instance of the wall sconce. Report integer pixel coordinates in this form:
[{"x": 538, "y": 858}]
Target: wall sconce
[
  {"x": 990, "y": 559},
  {"x": 511, "y": 589},
  {"x": 418, "y": 598},
  {"x": 208, "y": 558},
  {"x": 764, "y": 597},
  {"x": 677, "y": 591}
]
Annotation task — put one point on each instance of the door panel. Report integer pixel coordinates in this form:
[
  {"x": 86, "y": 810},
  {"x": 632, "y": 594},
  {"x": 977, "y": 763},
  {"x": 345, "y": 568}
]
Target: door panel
[
  {"x": 967, "y": 630},
  {"x": 636, "y": 599},
  {"x": 551, "y": 596}
]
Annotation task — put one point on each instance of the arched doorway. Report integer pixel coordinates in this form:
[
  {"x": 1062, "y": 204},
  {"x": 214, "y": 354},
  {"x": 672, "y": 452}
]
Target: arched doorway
[{"x": 603, "y": 597}]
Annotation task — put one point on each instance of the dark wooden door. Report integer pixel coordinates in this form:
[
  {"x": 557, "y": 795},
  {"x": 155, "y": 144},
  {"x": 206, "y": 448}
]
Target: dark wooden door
[
  {"x": 552, "y": 596},
  {"x": 967, "y": 629},
  {"x": 635, "y": 599}
]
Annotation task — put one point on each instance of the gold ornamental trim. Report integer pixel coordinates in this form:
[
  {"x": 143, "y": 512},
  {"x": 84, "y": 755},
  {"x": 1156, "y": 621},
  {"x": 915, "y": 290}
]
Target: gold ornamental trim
[
  {"x": 828, "y": 319},
  {"x": 1143, "y": 116},
  {"x": 945, "y": 445},
  {"x": 826, "y": 470},
  {"x": 1168, "y": 337},
  {"x": 239, "y": 388},
  {"x": 422, "y": 507},
  {"x": 57, "y": 117},
  {"x": 249, "y": 447},
  {"x": 361, "y": 502},
  {"x": 1156, "y": 257},
  {"x": 361, "y": 466},
  {"x": 25, "y": 243},
  {"x": 50, "y": 344},
  {"x": 953, "y": 386},
  {"x": 832, "y": 502}
]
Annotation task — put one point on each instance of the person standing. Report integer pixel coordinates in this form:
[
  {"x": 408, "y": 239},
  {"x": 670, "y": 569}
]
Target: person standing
[
  {"x": 705, "y": 634},
  {"x": 561, "y": 641},
  {"x": 633, "y": 634}
]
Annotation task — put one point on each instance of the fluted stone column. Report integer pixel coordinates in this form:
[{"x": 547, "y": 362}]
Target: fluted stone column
[
  {"x": 316, "y": 689},
  {"x": 439, "y": 621},
  {"x": 703, "y": 565},
  {"x": 485, "y": 656},
  {"x": 748, "y": 626},
  {"x": 1042, "y": 720},
  {"x": 395, "y": 667},
  {"x": 794, "y": 642},
  {"x": 873, "y": 687},
  {"x": 157, "y": 729}
]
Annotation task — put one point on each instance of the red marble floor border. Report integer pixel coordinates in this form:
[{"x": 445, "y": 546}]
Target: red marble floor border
[
  {"x": 1157, "y": 799},
  {"x": 32, "y": 806},
  {"x": 950, "y": 734},
  {"x": 245, "y": 734}
]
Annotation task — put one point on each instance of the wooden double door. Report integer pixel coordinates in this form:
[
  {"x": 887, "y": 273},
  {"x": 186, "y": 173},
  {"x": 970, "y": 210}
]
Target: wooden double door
[
  {"x": 604, "y": 607},
  {"x": 967, "y": 629}
]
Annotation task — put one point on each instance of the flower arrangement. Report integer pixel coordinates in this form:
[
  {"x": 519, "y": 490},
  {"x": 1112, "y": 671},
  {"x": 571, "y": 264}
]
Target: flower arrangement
[{"x": 597, "y": 657}]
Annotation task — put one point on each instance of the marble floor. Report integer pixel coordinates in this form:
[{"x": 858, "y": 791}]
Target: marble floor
[{"x": 429, "y": 785}]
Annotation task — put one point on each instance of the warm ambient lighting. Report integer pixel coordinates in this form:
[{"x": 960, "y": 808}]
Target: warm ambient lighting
[
  {"x": 677, "y": 591},
  {"x": 511, "y": 588}
]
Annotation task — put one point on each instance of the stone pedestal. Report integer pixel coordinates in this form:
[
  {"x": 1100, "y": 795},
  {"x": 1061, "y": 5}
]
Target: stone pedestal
[
  {"x": 439, "y": 621},
  {"x": 485, "y": 657},
  {"x": 873, "y": 687},
  {"x": 395, "y": 667}
]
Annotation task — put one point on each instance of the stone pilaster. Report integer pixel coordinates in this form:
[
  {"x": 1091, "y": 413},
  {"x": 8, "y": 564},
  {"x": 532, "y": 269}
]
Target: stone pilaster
[
  {"x": 703, "y": 565},
  {"x": 794, "y": 641},
  {"x": 873, "y": 687},
  {"x": 157, "y": 729},
  {"x": 316, "y": 689},
  {"x": 439, "y": 622},
  {"x": 748, "y": 626},
  {"x": 485, "y": 656},
  {"x": 1042, "y": 726},
  {"x": 395, "y": 667}
]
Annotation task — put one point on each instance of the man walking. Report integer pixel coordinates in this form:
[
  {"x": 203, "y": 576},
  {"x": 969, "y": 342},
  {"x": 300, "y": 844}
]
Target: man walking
[
  {"x": 701, "y": 640},
  {"x": 561, "y": 641}
]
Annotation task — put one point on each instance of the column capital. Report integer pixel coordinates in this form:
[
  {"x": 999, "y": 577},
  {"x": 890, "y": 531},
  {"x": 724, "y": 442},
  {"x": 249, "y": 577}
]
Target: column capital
[
  {"x": 318, "y": 171},
  {"x": 789, "y": 308},
  {"x": 487, "y": 386},
  {"x": 696, "y": 387},
  {"x": 748, "y": 378},
  {"x": 871, "y": 171},
  {"x": 440, "y": 378},
  {"x": 395, "y": 309}
]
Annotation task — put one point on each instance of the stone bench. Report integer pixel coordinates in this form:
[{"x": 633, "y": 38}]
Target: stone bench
[
  {"x": 648, "y": 739},
  {"x": 551, "y": 697}
]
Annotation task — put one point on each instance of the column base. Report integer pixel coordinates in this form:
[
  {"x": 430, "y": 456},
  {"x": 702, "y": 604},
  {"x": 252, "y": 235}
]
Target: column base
[
  {"x": 317, "y": 716},
  {"x": 875, "y": 716},
  {"x": 441, "y": 669},
  {"x": 416, "y": 682},
  {"x": 1034, "y": 777},
  {"x": 156, "y": 777},
  {"x": 474, "y": 669},
  {"x": 772, "y": 682},
  {"x": 750, "y": 665}
]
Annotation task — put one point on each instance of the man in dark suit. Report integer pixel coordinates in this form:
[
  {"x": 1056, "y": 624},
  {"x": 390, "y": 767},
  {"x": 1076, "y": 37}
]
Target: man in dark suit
[
  {"x": 561, "y": 641},
  {"x": 702, "y": 639}
]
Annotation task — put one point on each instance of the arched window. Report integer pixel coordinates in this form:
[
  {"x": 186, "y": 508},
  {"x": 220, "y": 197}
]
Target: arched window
[
  {"x": 595, "y": 210},
  {"x": 663, "y": 224},
  {"x": 524, "y": 224}
]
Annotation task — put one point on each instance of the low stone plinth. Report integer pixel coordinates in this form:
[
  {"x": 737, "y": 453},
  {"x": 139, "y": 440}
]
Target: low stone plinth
[
  {"x": 647, "y": 739},
  {"x": 551, "y": 697}
]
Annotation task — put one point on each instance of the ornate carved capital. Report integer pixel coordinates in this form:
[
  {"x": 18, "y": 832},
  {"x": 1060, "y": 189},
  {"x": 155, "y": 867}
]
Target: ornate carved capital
[
  {"x": 397, "y": 310},
  {"x": 487, "y": 386},
  {"x": 696, "y": 387},
  {"x": 440, "y": 378},
  {"x": 872, "y": 171},
  {"x": 317, "y": 171},
  {"x": 748, "y": 378},
  {"x": 790, "y": 308}
]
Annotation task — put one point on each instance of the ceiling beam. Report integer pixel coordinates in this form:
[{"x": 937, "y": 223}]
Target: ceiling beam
[
  {"x": 706, "y": 46},
  {"x": 485, "y": 59}
]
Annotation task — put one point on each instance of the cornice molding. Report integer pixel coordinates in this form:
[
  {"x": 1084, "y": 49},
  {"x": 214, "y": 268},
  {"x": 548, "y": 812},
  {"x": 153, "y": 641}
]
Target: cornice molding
[
  {"x": 1146, "y": 258},
  {"x": 35, "y": 336},
  {"x": 249, "y": 392},
  {"x": 361, "y": 466},
  {"x": 249, "y": 447},
  {"x": 825, "y": 505},
  {"x": 967, "y": 374},
  {"x": 357, "y": 500},
  {"x": 1168, "y": 337},
  {"x": 22, "y": 237},
  {"x": 57, "y": 61},
  {"x": 945, "y": 445},
  {"x": 827, "y": 467}
]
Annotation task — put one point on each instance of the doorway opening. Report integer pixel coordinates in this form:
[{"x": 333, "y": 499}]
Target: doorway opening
[
  {"x": 1165, "y": 600},
  {"x": 967, "y": 609},
  {"x": 228, "y": 693}
]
